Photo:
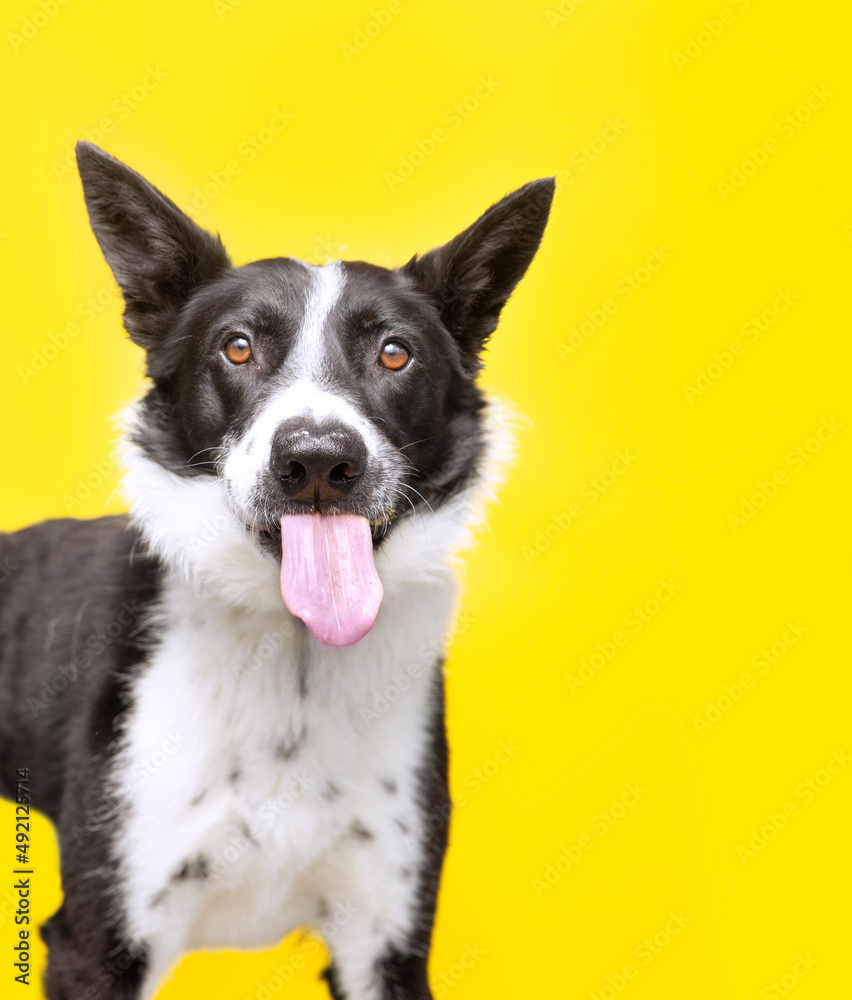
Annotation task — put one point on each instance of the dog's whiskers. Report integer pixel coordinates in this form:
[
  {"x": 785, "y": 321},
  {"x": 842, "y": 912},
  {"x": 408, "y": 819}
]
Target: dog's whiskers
[
  {"x": 411, "y": 444},
  {"x": 408, "y": 486}
]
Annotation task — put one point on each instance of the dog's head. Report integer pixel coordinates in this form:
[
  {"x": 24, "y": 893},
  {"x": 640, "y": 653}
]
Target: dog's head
[{"x": 341, "y": 389}]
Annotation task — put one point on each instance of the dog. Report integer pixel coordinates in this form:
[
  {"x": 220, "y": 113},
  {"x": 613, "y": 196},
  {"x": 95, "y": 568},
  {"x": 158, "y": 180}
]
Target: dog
[{"x": 230, "y": 702}]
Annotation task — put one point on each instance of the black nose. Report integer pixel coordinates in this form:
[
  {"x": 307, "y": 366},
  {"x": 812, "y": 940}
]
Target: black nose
[{"x": 319, "y": 463}]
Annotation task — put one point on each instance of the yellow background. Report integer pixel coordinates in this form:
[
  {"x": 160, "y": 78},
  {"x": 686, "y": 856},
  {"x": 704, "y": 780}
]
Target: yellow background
[{"x": 680, "y": 123}]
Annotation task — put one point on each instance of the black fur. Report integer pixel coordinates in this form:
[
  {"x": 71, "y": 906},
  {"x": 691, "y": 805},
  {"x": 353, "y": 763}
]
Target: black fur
[
  {"x": 75, "y": 603},
  {"x": 67, "y": 655}
]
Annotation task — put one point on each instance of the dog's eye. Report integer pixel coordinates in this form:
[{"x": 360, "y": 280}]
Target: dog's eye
[
  {"x": 238, "y": 350},
  {"x": 394, "y": 356}
]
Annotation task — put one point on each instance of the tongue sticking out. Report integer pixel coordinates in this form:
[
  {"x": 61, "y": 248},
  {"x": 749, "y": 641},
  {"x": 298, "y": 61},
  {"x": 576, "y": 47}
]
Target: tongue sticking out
[{"x": 328, "y": 577}]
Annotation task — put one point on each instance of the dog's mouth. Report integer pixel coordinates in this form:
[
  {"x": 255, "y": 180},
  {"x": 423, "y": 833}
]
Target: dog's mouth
[
  {"x": 328, "y": 575},
  {"x": 328, "y": 572}
]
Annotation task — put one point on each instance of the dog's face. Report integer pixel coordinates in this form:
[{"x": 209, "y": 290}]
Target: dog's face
[
  {"x": 319, "y": 389},
  {"x": 338, "y": 389}
]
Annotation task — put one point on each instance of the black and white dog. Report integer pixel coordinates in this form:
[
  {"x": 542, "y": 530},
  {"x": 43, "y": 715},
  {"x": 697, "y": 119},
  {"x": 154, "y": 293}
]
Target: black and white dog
[{"x": 231, "y": 702}]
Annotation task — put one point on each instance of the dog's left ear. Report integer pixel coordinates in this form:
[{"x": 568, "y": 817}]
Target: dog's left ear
[
  {"x": 471, "y": 278},
  {"x": 158, "y": 255}
]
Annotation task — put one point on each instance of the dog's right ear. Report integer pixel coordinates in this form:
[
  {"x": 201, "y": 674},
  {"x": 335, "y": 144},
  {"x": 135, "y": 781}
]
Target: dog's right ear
[{"x": 158, "y": 255}]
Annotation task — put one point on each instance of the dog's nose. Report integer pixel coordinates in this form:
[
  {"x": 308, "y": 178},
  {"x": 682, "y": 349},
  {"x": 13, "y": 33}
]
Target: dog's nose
[{"x": 319, "y": 464}]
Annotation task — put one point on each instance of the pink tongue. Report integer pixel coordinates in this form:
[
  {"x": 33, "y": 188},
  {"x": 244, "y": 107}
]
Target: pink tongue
[{"x": 328, "y": 577}]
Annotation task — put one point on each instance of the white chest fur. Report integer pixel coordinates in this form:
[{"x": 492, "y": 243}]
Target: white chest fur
[{"x": 252, "y": 752}]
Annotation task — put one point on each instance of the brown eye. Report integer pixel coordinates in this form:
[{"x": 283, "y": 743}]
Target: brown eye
[
  {"x": 394, "y": 356},
  {"x": 238, "y": 350}
]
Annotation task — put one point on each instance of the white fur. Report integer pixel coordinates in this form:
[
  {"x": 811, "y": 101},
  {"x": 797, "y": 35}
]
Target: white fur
[
  {"x": 327, "y": 283},
  {"x": 249, "y": 456},
  {"x": 222, "y": 692}
]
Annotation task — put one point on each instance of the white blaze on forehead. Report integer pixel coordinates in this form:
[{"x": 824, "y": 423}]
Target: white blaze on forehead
[{"x": 327, "y": 281}]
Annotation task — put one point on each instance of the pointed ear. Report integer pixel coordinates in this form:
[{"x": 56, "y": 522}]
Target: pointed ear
[
  {"x": 158, "y": 255},
  {"x": 471, "y": 278}
]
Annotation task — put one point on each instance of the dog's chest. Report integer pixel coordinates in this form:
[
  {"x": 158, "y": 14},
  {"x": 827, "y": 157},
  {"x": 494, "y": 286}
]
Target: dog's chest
[{"x": 253, "y": 756}]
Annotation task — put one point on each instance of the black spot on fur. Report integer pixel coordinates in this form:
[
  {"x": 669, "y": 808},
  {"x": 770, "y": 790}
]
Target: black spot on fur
[
  {"x": 402, "y": 826},
  {"x": 289, "y": 748},
  {"x": 234, "y": 776},
  {"x": 330, "y": 791},
  {"x": 359, "y": 831},
  {"x": 389, "y": 785},
  {"x": 199, "y": 868},
  {"x": 197, "y": 799}
]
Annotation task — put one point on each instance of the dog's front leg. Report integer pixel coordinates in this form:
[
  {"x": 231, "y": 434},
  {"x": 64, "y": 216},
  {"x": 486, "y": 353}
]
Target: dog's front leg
[
  {"x": 378, "y": 891},
  {"x": 377, "y": 920},
  {"x": 87, "y": 959}
]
